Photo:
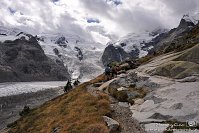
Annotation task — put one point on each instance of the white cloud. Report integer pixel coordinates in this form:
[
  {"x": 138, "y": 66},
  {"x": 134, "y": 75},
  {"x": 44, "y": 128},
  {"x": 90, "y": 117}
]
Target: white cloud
[{"x": 116, "y": 17}]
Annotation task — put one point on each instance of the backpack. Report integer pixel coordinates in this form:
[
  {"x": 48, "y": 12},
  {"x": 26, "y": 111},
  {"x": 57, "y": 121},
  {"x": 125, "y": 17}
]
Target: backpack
[{"x": 107, "y": 69}]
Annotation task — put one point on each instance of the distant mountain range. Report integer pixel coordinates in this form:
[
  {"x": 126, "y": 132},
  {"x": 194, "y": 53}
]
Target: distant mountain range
[
  {"x": 71, "y": 56},
  {"x": 79, "y": 57},
  {"x": 139, "y": 45}
]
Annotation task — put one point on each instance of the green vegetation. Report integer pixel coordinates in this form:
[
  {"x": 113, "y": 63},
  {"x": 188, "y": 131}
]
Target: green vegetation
[
  {"x": 145, "y": 59},
  {"x": 178, "y": 48}
]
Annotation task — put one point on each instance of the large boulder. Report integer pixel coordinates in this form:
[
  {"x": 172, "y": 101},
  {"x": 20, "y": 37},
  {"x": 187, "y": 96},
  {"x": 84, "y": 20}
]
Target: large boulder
[{"x": 113, "y": 125}]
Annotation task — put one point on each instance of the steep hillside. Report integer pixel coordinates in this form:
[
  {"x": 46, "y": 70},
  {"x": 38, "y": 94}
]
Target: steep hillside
[{"x": 75, "y": 111}]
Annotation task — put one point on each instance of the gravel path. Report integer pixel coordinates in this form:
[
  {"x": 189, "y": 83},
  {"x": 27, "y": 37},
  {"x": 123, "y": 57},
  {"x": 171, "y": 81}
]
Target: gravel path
[{"x": 121, "y": 114}]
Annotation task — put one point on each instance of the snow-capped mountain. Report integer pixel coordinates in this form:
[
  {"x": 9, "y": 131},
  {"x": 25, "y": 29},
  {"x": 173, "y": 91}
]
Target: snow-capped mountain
[
  {"x": 80, "y": 56},
  {"x": 140, "y": 44},
  {"x": 23, "y": 59},
  {"x": 191, "y": 18},
  {"x": 135, "y": 42},
  {"x": 174, "y": 37},
  {"x": 134, "y": 45}
]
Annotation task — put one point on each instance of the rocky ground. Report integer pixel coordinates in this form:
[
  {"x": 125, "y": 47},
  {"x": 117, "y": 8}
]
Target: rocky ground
[
  {"x": 121, "y": 114},
  {"x": 10, "y": 106},
  {"x": 157, "y": 102},
  {"x": 144, "y": 102}
]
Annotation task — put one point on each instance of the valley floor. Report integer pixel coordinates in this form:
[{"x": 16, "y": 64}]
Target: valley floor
[
  {"x": 14, "y": 96},
  {"x": 16, "y": 88}
]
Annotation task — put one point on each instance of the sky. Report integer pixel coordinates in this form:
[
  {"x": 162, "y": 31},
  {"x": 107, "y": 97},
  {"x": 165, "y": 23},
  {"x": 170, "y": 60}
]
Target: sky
[{"x": 98, "y": 20}]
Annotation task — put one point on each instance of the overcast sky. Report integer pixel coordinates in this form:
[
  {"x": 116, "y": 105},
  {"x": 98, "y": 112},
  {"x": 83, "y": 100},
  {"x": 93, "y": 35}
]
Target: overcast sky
[{"x": 101, "y": 20}]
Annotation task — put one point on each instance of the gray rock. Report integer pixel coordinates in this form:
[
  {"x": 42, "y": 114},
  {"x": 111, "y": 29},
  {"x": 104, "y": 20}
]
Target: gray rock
[
  {"x": 123, "y": 104},
  {"x": 139, "y": 101},
  {"x": 176, "y": 106},
  {"x": 113, "y": 125},
  {"x": 111, "y": 53},
  {"x": 154, "y": 98},
  {"x": 160, "y": 116},
  {"x": 132, "y": 94},
  {"x": 147, "y": 84},
  {"x": 189, "y": 117},
  {"x": 125, "y": 81},
  {"x": 79, "y": 54},
  {"x": 189, "y": 79},
  {"x": 122, "y": 89}
]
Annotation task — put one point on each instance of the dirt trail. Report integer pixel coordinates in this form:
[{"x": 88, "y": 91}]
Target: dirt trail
[{"x": 121, "y": 114}]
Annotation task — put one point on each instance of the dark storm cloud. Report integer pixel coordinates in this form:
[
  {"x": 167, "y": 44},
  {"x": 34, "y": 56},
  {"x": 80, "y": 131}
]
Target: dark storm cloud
[{"x": 108, "y": 18}]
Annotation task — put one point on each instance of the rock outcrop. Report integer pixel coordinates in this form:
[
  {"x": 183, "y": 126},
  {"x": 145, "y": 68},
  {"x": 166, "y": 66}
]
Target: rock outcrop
[
  {"x": 183, "y": 66},
  {"x": 111, "y": 53},
  {"x": 24, "y": 60},
  {"x": 113, "y": 125}
]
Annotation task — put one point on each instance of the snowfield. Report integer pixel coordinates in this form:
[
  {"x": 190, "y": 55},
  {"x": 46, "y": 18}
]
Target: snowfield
[
  {"x": 7, "y": 89},
  {"x": 86, "y": 68},
  {"x": 135, "y": 41}
]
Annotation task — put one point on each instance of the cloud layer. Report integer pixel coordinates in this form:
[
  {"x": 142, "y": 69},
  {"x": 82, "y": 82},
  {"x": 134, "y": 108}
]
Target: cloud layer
[{"x": 99, "y": 20}]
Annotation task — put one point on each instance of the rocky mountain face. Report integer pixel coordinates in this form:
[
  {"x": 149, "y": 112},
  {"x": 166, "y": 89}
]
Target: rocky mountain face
[
  {"x": 78, "y": 56},
  {"x": 158, "y": 41},
  {"x": 23, "y": 59},
  {"x": 176, "y": 37},
  {"x": 130, "y": 46}
]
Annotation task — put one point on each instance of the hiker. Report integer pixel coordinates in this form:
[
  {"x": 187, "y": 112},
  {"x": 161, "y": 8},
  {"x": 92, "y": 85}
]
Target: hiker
[
  {"x": 114, "y": 72},
  {"x": 68, "y": 86},
  {"x": 131, "y": 64},
  {"x": 108, "y": 72},
  {"x": 76, "y": 82}
]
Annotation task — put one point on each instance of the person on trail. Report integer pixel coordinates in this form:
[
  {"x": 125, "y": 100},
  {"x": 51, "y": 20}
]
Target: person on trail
[
  {"x": 114, "y": 72},
  {"x": 108, "y": 72},
  {"x": 68, "y": 86},
  {"x": 76, "y": 82}
]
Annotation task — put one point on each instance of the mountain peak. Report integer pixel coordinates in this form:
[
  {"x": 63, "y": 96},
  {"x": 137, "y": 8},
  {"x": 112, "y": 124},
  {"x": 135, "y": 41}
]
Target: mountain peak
[{"x": 191, "y": 18}]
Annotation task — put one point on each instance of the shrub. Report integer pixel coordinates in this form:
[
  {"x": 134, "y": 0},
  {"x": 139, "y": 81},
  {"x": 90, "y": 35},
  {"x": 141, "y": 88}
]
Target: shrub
[
  {"x": 131, "y": 101},
  {"x": 145, "y": 59},
  {"x": 97, "y": 128},
  {"x": 122, "y": 96},
  {"x": 25, "y": 111}
]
